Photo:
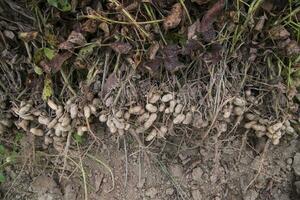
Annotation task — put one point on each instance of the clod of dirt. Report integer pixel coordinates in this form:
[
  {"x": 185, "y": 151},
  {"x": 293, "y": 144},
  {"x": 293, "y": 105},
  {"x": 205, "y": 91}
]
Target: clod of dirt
[
  {"x": 296, "y": 164},
  {"x": 176, "y": 171},
  {"x": 151, "y": 192},
  {"x": 170, "y": 191},
  {"x": 46, "y": 188},
  {"x": 250, "y": 195},
  {"x": 174, "y": 18},
  {"x": 297, "y": 185},
  {"x": 197, "y": 174},
  {"x": 196, "y": 194}
]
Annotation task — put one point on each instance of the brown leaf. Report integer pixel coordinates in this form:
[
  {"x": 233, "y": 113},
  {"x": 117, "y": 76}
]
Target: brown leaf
[
  {"x": 292, "y": 48},
  {"x": 104, "y": 27},
  {"x": 75, "y": 38},
  {"x": 152, "y": 51},
  {"x": 192, "y": 30},
  {"x": 28, "y": 36},
  {"x": 260, "y": 24},
  {"x": 111, "y": 83},
  {"x": 279, "y": 33},
  {"x": 174, "y": 18},
  {"x": 201, "y": 2},
  {"x": 55, "y": 64},
  {"x": 191, "y": 46},
  {"x": 121, "y": 47},
  {"x": 170, "y": 59},
  {"x": 152, "y": 66},
  {"x": 206, "y": 26},
  {"x": 90, "y": 26}
]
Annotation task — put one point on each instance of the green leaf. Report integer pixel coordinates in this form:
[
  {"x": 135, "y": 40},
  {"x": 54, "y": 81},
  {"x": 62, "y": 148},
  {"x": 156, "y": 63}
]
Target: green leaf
[
  {"x": 62, "y": 5},
  {"x": 2, "y": 150},
  {"x": 86, "y": 51},
  {"x": 2, "y": 177},
  {"x": 49, "y": 53},
  {"x": 47, "y": 91},
  {"x": 78, "y": 139},
  {"x": 37, "y": 69}
]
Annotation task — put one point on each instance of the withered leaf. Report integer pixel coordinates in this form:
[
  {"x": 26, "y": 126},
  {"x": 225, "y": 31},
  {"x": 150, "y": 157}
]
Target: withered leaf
[
  {"x": 174, "y": 18},
  {"x": 279, "y": 33},
  {"x": 75, "y": 38},
  {"x": 192, "y": 30},
  {"x": 152, "y": 51},
  {"x": 90, "y": 26},
  {"x": 55, "y": 64},
  {"x": 152, "y": 66},
  {"x": 170, "y": 58},
  {"x": 201, "y": 2},
  {"x": 111, "y": 83},
  {"x": 206, "y": 25},
  {"x": 292, "y": 48},
  {"x": 121, "y": 47},
  {"x": 28, "y": 36},
  {"x": 191, "y": 46}
]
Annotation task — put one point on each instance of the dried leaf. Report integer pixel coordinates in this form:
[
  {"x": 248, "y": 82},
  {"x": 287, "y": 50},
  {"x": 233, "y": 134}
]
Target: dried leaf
[
  {"x": 75, "y": 38},
  {"x": 201, "y": 2},
  {"x": 171, "y": 62},
  {"x": 292, "y": 48},
  {"x": 260, "y": 24},
  {"x": 153, "y": 50},
  {"x": 206, "y": 25},
  {"x": 174, "y": 18},
  {"x": 104, "y": 27},
  {"x": 28, "y": 36},
  {"x": 152, "y": 66},
  {"x": 121, "y": 47},
  {"x": 55, "y": 64},
  {"x": 279, "y": 33},
  {"x": 192, "y": 30},
  {"x": 90, "y": 26},
  {"x": 111, "y": 83},
  {"x": 191, "y": 46}
]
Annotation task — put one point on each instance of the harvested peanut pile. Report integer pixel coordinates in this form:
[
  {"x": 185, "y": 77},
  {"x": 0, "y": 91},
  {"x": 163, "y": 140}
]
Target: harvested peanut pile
[{"x": 149, "y": 99}]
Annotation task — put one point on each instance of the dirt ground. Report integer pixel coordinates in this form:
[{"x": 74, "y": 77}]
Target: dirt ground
[
  {"x": 141, "y": 100},
  {"x": 219, "y": 169}
]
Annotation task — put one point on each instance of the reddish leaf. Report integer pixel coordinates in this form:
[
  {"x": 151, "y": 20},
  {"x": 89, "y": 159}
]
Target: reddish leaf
[
  {"x": 206, "y": 25},
  {"x": 55, "y": 64},
  {"x": 75, "y": 38},
  {"x": 121, "y": 47},
  {"x": 111, "y": 83},
  {"x": 90, "y": 26},
  {"x": 171, "y": 62},
  {"x": 201, "y": 2},
  {"x": 152, "y": 66}
]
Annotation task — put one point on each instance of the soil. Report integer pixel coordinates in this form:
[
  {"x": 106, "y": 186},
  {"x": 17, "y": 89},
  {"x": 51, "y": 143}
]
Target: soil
[{"x": 218, "y": 169}]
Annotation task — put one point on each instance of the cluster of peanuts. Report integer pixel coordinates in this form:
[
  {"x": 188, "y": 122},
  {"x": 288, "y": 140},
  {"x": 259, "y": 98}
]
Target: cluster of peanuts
[
  {"x": 57, "y": 123},
  {"x": 263, "y": 127},
  {"x": 154, "y": 118}
]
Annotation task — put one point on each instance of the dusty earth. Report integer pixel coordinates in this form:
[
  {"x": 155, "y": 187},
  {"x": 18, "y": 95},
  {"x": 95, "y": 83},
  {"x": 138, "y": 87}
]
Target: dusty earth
[{"x": 234, "y": 168}]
